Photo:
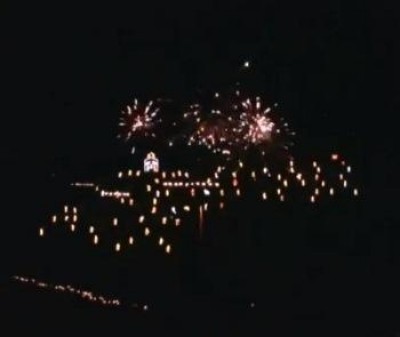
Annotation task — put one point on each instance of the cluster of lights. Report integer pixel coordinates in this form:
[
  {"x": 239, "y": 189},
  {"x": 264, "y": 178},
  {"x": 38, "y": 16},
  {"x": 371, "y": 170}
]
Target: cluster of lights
[
  {"x": 171, "y": 203},
  {"x": 114, "y": 194},
  {"x": 208, "y": 183},
  {"x": 83, "y": 294},
  {"x": 83, "y": 184}
]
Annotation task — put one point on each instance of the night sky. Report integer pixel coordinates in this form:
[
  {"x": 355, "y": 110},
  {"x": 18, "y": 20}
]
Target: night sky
[
  {"x": 333, "y": 67},
  {"x": 67, "y": 70}
]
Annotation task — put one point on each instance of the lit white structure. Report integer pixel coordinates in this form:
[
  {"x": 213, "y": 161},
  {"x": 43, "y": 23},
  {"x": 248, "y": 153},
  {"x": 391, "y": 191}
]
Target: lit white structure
[{"x": 151, "y": 163}]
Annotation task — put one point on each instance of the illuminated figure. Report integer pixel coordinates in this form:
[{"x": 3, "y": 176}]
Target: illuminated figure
[{"x": 151, "y": 163}]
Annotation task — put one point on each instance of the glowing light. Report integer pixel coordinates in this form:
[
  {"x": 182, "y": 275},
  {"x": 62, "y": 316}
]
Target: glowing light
[
  {"x": 54, "y": 218},
  {"x": 164, "y": 220},
  {"x": 115, "y": 222},
  {"x": 72, "y": 228},
  {"x": 117, "y": 247},
  {"x": 91, "y": 229},
  {"x": 206, "y": 192},
  {"x": 41, "y": 231},
  {"x": 131, "y": 240},
  {"x": 168, "y": 249},
  {"x": 264, "y": 196},
  {"x": 348, "y": 169},
  {"x": 141, "y": 219},
  {"x": 334, "y": 156},
  {"x": 147, "y": 231},
  {"x": 161, "y": 241},
  {"x": 355, "y": 192},
  {"x": 186, "y": 208},
  {"x": 95, "y": 239},
  {"x": 331, "y": 191}
]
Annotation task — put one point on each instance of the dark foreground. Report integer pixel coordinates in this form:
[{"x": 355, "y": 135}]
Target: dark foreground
[{"x": 331, "y": 271}]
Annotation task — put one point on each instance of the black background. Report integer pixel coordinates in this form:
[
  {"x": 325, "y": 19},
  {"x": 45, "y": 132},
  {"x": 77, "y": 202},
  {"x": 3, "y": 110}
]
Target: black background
[{"x": 67, "y": 71}]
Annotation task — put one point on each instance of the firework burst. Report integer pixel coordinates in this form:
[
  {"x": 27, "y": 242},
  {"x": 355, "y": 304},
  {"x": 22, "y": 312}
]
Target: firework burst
[
  {"x": 212, "y": 128},
  {"x": 138, "y": 120},
  {"x": 236, "y": 125},
  {"x": 258, "y": 127},
  {"x": 255, "y": 123}
]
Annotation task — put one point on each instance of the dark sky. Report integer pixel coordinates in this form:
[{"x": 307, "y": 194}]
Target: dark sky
[{"x": 68, "y": 70}]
